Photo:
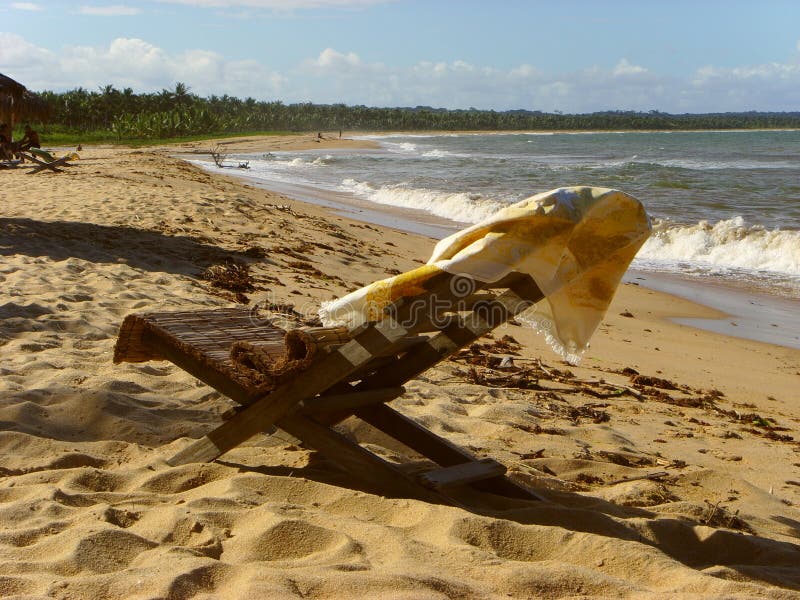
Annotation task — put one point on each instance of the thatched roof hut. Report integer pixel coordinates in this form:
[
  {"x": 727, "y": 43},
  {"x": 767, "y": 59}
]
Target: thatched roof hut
[{"x": 17, "y": 103}]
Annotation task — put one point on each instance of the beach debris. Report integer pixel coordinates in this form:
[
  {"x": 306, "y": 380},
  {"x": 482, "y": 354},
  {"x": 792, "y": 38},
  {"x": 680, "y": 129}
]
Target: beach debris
[
  {"x": 497, "y": 364},
  {"x": 530, "y": 455},
  {"x": 308, "y": 269},
  {"x": 755, "y": 424},
  {"x": 287, "y": 251},
  {"x": 256, "y": 252},
  {"x": 657, "y": 382},
  {"x": 219, "y": 159},
  {"x": 523, "y": 381},
  {"x": 625, "y": 459},
  {"x": 232, "y": 276},
  {"x": 718, "y": 516},
  {"x": 587, "y": 478},
  {"x": 537, "y": 429},
  {"x": 286, "y": 209}
]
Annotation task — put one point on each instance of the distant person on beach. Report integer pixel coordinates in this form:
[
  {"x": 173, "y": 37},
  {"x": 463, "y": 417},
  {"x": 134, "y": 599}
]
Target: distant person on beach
[{"x": 30, "y": 139}]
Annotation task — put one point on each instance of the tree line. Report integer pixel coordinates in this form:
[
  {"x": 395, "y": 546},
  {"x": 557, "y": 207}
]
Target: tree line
[{"x": 178, "y": 112}]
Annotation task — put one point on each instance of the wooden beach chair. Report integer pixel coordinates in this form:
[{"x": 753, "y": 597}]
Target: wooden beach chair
[
  {"x": 42, "y": 165},
  {"x": 358, "y": 375},
  {"x": 576, "y": 242}
]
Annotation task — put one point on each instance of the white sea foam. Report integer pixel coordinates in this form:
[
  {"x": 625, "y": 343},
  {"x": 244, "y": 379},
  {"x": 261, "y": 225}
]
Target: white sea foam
[
  {"x": 716, "y": 165},
  {"x": 436, "y": 153},
  {"x": 459, "y": 206},
  {"x": 401, "y": 148},
  {"x": 726, "y": 245}
]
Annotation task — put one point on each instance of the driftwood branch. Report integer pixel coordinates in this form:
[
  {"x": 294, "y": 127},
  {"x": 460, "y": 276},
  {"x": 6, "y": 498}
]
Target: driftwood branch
[
  {"x": 220, "y": 158},
  {"x": 656, "y": 475}
]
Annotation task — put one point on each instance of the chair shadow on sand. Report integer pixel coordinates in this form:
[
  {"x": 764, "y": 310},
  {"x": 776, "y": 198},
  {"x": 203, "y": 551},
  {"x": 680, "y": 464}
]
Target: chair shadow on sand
[
  {"x": 727, "y": 554},
  {"x": 138, "y": 248}
]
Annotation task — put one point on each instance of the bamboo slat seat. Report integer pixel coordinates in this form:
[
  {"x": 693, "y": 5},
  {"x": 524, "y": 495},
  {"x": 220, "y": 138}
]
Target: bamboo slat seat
[{"x": 225, "y": 343}]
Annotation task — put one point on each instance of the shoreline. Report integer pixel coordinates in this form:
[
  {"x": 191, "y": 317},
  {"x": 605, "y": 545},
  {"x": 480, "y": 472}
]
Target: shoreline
[{"x": 775, "y": 323}]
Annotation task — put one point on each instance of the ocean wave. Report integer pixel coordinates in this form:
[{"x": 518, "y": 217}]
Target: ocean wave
[
  {"x": 574, "y": 163},
  {"x": 715, "y": 165},
  {"x": 459, "y": 206},
  {"x": 293, "y": 163},
  {"x": 436, "y": 153},
  {"x": 384, "y": 136},
  {"x": 731, "y": 244},
  {"x": 401, "y": 147}
]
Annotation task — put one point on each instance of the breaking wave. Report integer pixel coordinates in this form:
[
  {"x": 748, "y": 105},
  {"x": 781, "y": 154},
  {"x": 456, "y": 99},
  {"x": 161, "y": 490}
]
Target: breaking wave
[
  {"x": 731, "y": 244},
  {"x": 458, "y": 206}
]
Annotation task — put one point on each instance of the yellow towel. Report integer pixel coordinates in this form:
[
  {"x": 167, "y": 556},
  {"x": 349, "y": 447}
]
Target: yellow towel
[{"x": 575, "y": 242}]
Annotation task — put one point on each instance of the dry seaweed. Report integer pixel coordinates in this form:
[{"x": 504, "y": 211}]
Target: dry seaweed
[
  {"x": 486, "y": 377},
  {"x": 233, "y": 276},
  {"x": 587, "y": 479},
  {"x": 657, "y": 382},
  {"x": 719, "y": 516},
  {"x": 538, "y": 429}
]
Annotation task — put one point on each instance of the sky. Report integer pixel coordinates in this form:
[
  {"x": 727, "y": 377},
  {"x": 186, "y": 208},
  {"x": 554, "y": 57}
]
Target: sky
[{"x": 573, "y": 56}]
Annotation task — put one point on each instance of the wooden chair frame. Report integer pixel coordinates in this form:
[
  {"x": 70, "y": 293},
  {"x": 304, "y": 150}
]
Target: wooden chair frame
[
  {"x": 42, "y": 165},
  {"x": 359, "y": 378}
]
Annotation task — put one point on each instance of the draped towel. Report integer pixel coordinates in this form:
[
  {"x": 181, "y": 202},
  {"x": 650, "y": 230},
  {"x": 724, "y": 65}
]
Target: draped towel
[{"x": 576, "y": 243}]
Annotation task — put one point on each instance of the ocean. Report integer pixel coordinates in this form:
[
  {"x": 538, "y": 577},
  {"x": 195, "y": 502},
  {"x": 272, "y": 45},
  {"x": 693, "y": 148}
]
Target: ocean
[{"x": 725, "y": 206}]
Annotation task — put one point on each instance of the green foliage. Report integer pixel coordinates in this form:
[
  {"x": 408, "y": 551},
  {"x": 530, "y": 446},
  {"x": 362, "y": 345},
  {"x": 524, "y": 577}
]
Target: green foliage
[{"x": 112, "y": 115}]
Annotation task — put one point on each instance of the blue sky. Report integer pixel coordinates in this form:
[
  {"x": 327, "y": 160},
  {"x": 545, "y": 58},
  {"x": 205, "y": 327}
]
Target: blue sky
[{"x": 570, "y": 55}]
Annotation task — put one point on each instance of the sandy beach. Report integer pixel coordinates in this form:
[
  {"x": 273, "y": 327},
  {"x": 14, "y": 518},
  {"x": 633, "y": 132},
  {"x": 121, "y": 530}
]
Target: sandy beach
[{"x": 669, "y": 460}]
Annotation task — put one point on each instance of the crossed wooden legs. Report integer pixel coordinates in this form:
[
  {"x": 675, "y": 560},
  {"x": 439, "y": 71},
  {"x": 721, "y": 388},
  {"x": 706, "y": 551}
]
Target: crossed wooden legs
[
  {"x": 42, "y": 165},
  {"x": 297, "y": 408}
]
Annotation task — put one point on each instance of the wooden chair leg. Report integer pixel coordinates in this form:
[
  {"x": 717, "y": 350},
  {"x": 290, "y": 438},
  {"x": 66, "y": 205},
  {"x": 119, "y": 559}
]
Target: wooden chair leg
[
  {"x": 377, "y": 473},
  {"x": 265, "y": 411},
  {"x": 436, "y": 448}
]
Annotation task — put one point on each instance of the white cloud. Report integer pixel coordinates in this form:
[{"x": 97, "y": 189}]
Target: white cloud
[
  {"x": 334, "y": 76},
  {"x": 24, "y": 61},
  {"x": 331, "y": 59},
  {"x": 626, "y": 86},
  {"x": 772, "y": 86},
  {"x": 26, "y": 6},
  {"x": 131, "y": 62},
  {"x": 624, "y": 68},
  {"x": 117, "y": 10},
  {"x": 524, "y": 71}
]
